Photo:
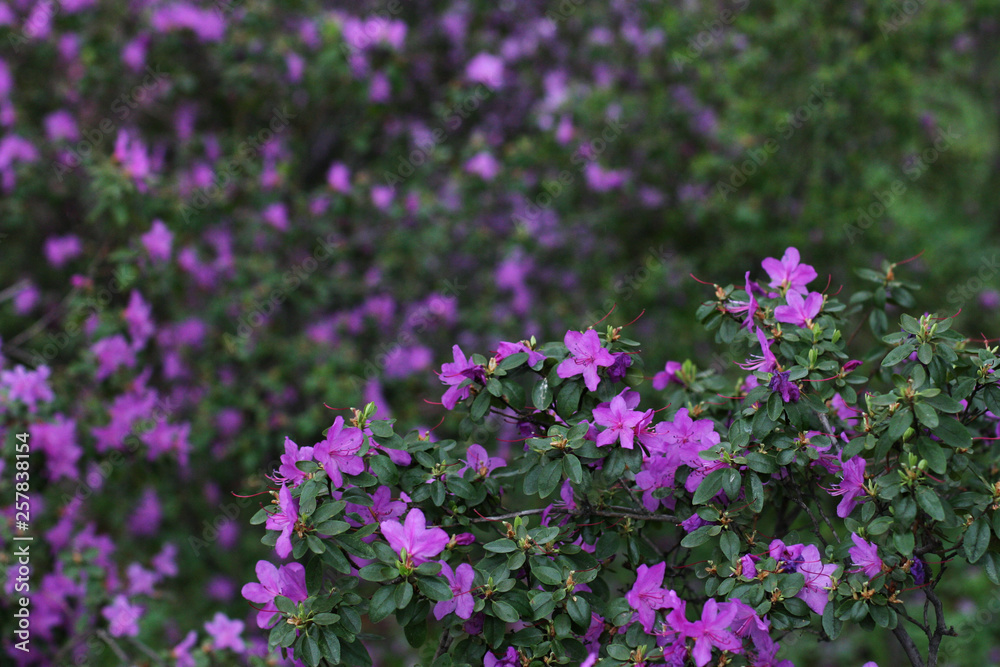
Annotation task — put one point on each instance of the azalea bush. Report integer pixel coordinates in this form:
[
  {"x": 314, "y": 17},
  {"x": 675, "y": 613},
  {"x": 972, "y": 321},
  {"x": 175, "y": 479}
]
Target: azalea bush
[{"x": 699, "y": 523}]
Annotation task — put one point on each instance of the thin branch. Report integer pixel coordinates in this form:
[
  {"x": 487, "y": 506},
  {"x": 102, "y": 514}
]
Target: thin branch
[
  {"x": 442, "y": 645},
  {"x": 115, "y": 648},
  {"x": 148, "y": 651},
  {"x": 908, "y": 646}
]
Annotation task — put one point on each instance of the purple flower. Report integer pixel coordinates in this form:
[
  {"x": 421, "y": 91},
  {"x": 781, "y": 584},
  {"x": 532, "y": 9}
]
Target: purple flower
[
  {"x": 815, "y": 593},
  {"x": 225, "y": 633},
  {"x": 510, "y": 659},
  {"x": 788, "y": 274},
  {"x": 484, "y": 165},
  {"x": 850, "y": 486},
  {"x": 766, "y": 363},
  {"x": 919, "y": 571},
  {"x": 619, "y": 369},
  {"x": 419, "y": 542},
  {"x": 780, "y": 383},
  {"x": 486, "y": 69},
  {"x": 339, "y": 452},
  {"x": 669, "y": 375},
  {"x": 383, "y": 507},
  {"x": 693, "y": 523},
  {"x": 588, "y": 356},
  {"x": 288, "y": 580},
  {"x": 288, "y": 472},
  {"x": 123, "y": 618},
  {"x": 29, "y": 387},
  {"x": 455, "y": 374},
  {"x": 338, "y": 177},
  {"x": 749, "y": 566},
  {"x": 157, "y": 241},
  {"x": 477, "y": 458},
  {"x": 112, "y": 353},
  {"x": 462, "y": 602},
  {"x": 799, "y": 311},
  {"x": 688, "y": 437},
  {"x": 138, "y": 317},
  {"x": 182, "y": 652},
  {"x": 619, "y": 420},
  {"x": 864, "y": 555},
  {"x": 711, "y": 631},
  {"x": 61, "y": 249},
  {"x": 750, "y": 307},
  {"x": 284, "y": 519},
  {"x": 648, "y": 595}
]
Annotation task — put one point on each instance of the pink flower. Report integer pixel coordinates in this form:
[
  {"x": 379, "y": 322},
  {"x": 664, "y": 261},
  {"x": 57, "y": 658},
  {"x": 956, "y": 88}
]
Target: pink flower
[
  {"x": 486, "y": 69},
  {"x": 339, "y": 452},
  {"x": 225, "y": 633},
  {"x": 182, "y": 652},
  {"x": 61, "y": 249},
  {"x": 484, "y": 165},
  {"x": 788, "y": 274},
  {"x": 711, "y": 631},
  {"x": 799, "y": 311},
  {"x": 288, "y": 472},
  {"x": 480, "y": 461},
  {"x": 850, "y": 486},
  {"x": 455, "y": 374},
  {"x": 284, "y": 520},
  {"x": 669, "y": 375},
  {"x": 112, "y": 353},
  {"x": 158, "y": 241},
  {"x": 864, "y": 555},
  {"x": 766, "y": 363},
  {"x": 619, "y": 420},
  {"x": 648, "y": 595},
  {"x": 288, "y": 580},
  {"x": 123, "y": 618},
  {"x": 339, "y": 178},
  {"x": 462, "y": 602},
  {"x": 588, "y": 356},
  {"x": 419, "y": 542}
]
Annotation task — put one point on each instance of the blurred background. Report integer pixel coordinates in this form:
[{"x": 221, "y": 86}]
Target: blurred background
[{"x": 218, "y": 216}]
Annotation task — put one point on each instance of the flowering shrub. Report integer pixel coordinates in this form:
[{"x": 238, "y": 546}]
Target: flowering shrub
[{"x": 695, "y": 525}]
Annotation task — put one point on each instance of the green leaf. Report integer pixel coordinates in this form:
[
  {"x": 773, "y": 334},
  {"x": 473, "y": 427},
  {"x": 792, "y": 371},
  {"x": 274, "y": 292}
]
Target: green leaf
[
  {"x": 547, "y": 575},
  {"x": 925, "y": 353},
  {"x": 501, "y": 546},
  {"x": 284, "y": 605},
  {"x": 541, "y": 395},
  {"x": 953, "y": 433},
  {"x": 607, "y": 544},
  {"x": 480, "y": 406},
  {"x": 697, "y": 537},
  {"x": 332, "y": 527},
  {"x": 709, "y": 487},
  {"x": 898, "y": 424},
  {"x": 832, "y": 625},
  {"x": 934, "y": 454},
  {"x": 416, "y": 632},
  {"x": 761, "y": 463},
  {"x": 731, "y": 482},
  {"x": 281, "y": 634},
  {"x": 326, "y": 618},
  {"x": 897, "y": 354},
  {"x": 569, "y": 398},
  {"x": 513, "y": 361},
  {"x": 434, "y": 588},
  {"x": 403, "y": 594},
  {"x": 755, "y": 490},
  {"x": 930, "y": 503},
  {"x": 381, "y": 428},
  {"x": 308, "y": 651},
  {"x": 579, "y": 610},
  {"x": 926, "y": 414},
  {"x": 329, "y": 647},
  {"x": 572, "y": 468},
  {"x": 382, "y": 604},
  {"x": 730, "y": 544},
  {"x": 880, "y": 525},
  {"x": 943, "y": 403},
  {"x": 504, "y": 611},
  {"x": 977, "y": 539}
]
